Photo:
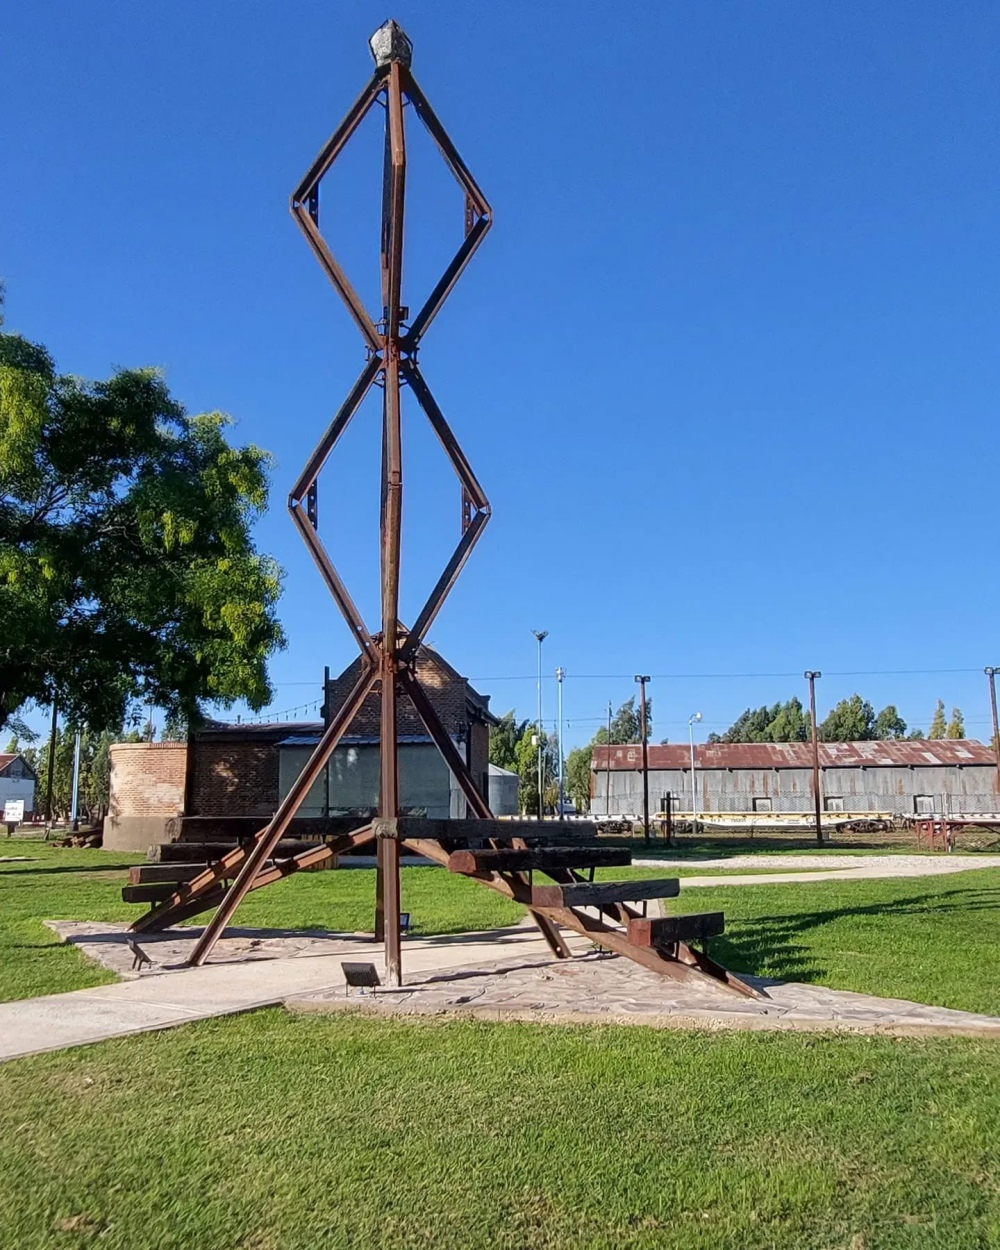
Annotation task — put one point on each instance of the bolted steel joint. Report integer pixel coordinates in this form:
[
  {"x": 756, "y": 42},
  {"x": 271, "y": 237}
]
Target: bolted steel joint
[{"x": 391, "y": 43}]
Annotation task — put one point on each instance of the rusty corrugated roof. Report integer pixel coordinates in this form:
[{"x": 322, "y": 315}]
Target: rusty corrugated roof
[{"x": 923, "y": 753}]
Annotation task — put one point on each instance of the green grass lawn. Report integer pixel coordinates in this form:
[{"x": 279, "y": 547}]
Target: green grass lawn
[
  {"x": 281, "y": 1132},
  {"x": 58, "y": 884},
  {"x": 930, "y": 939},
  {"x": 273, "y": 1131}
]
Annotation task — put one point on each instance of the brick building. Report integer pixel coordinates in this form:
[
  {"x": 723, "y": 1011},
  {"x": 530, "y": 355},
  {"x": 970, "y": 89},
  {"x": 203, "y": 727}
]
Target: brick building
[{"x": 229, "y": 778}]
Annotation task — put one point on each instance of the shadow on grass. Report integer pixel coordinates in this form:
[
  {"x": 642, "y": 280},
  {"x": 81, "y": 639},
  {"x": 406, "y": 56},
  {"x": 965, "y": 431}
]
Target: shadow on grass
[{"x": 770, "y": 941}]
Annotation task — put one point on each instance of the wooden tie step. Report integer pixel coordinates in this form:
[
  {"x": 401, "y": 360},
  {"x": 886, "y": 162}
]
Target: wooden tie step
[
  {"x": 152, "y": 893},
  {"x": 206, "y": 852},
  {"x": 657, "y": 931},
  {"x": 153, "y": 874},
  {"x": 478, "y": 862},
  {"x": 477, "y": 830},
  {"x": 604, "y": 893}
]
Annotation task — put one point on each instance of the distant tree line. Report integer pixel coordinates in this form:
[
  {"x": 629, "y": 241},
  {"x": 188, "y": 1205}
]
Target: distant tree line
[
  {"x": 512, "y": 746},
  {"x": 852, "y": 720}
]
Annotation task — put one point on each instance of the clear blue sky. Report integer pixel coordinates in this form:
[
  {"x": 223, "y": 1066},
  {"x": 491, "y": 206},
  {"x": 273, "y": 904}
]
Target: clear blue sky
[{"x": 727, "y": 364}]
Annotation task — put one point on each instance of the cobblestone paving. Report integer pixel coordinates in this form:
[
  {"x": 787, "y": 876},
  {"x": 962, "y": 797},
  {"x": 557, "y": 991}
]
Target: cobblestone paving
[{"x": 509, "y": 974}]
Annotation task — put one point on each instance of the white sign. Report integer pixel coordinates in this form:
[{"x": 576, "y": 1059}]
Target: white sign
[{"x": 13, "y": 811}]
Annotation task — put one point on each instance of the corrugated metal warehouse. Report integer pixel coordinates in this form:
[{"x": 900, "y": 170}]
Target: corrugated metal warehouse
[{"x": 941, "y": 776}]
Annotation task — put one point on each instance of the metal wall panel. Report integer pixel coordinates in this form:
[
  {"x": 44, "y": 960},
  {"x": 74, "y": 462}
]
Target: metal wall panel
[{"x": 952, "y": 789}]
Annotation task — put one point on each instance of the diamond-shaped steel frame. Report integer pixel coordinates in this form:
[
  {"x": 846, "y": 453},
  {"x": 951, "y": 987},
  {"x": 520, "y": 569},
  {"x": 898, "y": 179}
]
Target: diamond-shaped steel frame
[
  {"x": 392, "y": 343},
  {"x": 388, "y": 656}
]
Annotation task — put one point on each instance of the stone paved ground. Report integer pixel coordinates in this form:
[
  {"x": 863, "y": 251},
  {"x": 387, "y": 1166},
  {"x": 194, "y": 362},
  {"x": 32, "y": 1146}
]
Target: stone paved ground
[{"x": 504, "y": 974}]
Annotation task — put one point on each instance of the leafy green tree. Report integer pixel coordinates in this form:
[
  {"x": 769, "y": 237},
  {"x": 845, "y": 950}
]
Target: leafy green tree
[
  {"x": 956, "y": 726},
  {"x": 889, "y": 723},
  {"x": 578, "y": 776},
  {"x": 95, "y": 771},
  {"x": 751, "y": 725},
  {"x": 127, "y": 567},
  {"x": 852, "y": 720},
  {"x": 504, "y": 738},
  {"x": 779, "y": 722},
  {"x": 626, "y": 725},
  {"x": 790, "y": 724},
  {"x": 938, "y": 726},
  {"x": 915, "y": 735},
  {"x": 527, "y": 768}
]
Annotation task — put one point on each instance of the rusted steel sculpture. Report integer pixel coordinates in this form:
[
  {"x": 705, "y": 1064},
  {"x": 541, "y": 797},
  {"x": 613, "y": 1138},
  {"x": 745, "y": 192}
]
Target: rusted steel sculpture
[{"x": 514, "y": 850}]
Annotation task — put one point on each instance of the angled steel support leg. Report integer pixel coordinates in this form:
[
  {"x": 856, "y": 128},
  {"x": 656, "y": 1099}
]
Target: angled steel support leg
[{"x": 269, "y": 839}]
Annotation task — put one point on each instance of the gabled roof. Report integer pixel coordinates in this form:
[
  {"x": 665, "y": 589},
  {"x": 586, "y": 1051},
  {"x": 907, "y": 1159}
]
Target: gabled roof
[
  {"x": 923, "y": 753},
  {"x": 457, "y": 704},
  {"x": 6, "y": 759}
]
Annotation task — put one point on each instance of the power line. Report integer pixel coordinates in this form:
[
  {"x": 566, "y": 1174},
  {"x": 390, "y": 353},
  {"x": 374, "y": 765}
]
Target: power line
[
  {"x": 858, "y": 672},
  {"x": 845, "y": 672}
]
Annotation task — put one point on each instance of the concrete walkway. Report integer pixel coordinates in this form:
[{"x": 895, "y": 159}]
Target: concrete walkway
[
  {"x": 832, "y": 867},
  {"x": 499, "y": 975},
  {"x": 249, "y": 969}
]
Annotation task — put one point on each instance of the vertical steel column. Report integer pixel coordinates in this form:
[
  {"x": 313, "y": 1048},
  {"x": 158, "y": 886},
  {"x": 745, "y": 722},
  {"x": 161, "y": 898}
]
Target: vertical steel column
[
  {"x": 393, "y": 190},
  {"x": 817, "y": 800}
]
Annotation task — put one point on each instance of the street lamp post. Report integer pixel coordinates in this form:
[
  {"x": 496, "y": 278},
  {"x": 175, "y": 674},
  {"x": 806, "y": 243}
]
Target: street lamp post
[
  {"x": 74, "y": 820},
  {"x": 644, "y": 729},
  {"x": 560, "y": 674},
  {"x": 694, "y": 788},
  {"x": 52, "y": 764},
  {"x": 991, "y": 674},
  {"x": 811, "y": 678},
  {"x": 541, "y": 635}
]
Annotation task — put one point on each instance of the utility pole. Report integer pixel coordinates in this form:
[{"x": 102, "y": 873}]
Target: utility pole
[
  {"x": 991, "y": 674},
  {"x": 560, "y": 674},
  {"x": 541, "y": 635},
  {"x": 52, "y": 763},
  {"x": 644, "y": 729},
  {"x": 607, "y": 803},
  {"x": 694, "y": 783},
  {"x": 811, "y": 678}
]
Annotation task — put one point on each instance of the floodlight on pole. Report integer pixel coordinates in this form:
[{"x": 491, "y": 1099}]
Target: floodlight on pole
[
  {"x": 540, "y": 635},
  {"x": 560, "y": 674},
  {"x": 692, "y": 720},
  {"x": 991, "y": 673},
  {"x": 811, "y": 676}
]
